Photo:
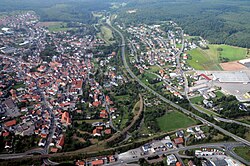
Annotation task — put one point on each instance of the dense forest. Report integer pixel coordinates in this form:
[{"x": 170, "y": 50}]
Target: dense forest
[
  {"x": 219, "y": 21},
  {"x": 57, "y": 10}
]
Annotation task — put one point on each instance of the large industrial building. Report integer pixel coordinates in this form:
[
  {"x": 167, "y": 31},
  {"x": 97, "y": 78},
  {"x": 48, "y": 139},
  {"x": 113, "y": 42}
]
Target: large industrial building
[{"x": 231, "y": 77}]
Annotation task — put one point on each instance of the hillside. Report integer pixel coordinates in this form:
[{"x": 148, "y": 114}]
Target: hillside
[
  {"x": 57, "y": 10},
  {"x": 219, "y": 21}
]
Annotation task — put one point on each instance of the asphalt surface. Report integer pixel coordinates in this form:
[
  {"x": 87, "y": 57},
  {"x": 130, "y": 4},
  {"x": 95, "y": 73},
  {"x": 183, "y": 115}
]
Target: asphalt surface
[
  {"x": 222, "y": 146},
  {"x": 231, "y": 121}
]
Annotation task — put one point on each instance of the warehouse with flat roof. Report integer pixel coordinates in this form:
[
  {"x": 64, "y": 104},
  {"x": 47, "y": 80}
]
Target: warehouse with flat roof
[{"x": 231, "y": 77}]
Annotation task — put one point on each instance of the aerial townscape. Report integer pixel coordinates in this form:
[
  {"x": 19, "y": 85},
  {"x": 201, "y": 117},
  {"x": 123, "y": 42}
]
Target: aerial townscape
[{"x": 124, "y": 83}]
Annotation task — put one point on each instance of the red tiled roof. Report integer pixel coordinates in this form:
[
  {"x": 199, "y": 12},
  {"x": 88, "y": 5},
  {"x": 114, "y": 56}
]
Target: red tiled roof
[
  {"x": 204, "y": 76},
  {"x": 97, "y": 162},
  {"x": 10, "y": 123},
  {"x": 54, "y": 150},
  {"x": 96, "y": 103},
  {"x": 178, "y": 140},
  {"x": 66, "y": 118},
  {"x": 44, "y": 135},
  {"x": 80, "y": 163},
  {"x": 178, "y": 164},
  {"x": 96, "y": 131},
  {"x": 103, "y": 114},
  {"x": 61, "y": 141},
  {"x": 5, "y": 134},
  {"x": 107, "y": 131},
  {"x": 78, "y": 84}
]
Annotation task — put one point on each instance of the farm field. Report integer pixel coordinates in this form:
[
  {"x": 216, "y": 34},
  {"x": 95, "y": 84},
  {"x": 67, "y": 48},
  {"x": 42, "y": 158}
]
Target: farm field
[
  {"x": 175, "y": 120},
  {"x": 210, "y": 59}
]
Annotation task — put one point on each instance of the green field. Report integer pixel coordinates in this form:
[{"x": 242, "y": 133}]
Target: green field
[
  {"x": 19, "y": 85},
  {"x": 55, "y": 26},
  {"x": 243, "y": 152},
  {"x": 209, "y": 59},
  {"x": 90, "y": 121},
  {"x": 207, "y": 111},
  {"x": 149, "y": 76},
  {"x": 175, "y": 120},
  {"x": 154, "y": 69},
  {"x": 197, "y": 100},
  {"x": 58, "y": 26},
  {"x": 106, "y": 34},
  {"x": 247, "y": 121},
  {"x": 122, "y": 98},
  {"x": 219, "y": 94}
]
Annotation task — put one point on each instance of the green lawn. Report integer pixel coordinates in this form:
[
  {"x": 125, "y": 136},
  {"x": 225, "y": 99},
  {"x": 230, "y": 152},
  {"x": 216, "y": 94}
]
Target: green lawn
[
  {"x": 230, "y": 52},
  {"x": 58, "y": 27},
  {"x": 244, "y": 121},
  {"x": 175, "y": 120},
  {"x": 150, "y": 76},
  {"x": 201, "y": 61},
  {"x": 122, "y": 97},
  {"x": 106, "y": 34},
  {"x": 55, "y": 26},
  {"x": 136, "y": 108},
  {"x": 19, "y": 85},
  {"x": 208, "y": 112},
  {"x": 90, "y": 121},
  {"x": 243, "y": 152},
  {"x": 197, "y": 100},
  {"x": 154, "y": 69},
  {"x": 178, "y": 45},
  {"x": 219, "y": 94},
  {"x": 209, "y": 59}
]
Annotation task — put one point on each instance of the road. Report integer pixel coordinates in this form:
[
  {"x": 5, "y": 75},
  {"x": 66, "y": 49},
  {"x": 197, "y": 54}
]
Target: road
[
  {"x": 237, "y": 138},
  {"x": 157, "y": 75},
  {"x": 110, "y": 117},
  {"x": 44, "y": 150},
  {"x": 231, "y": 121},
  {"x": 224, "y": 146},
  {"x": 186, "y": 89}
]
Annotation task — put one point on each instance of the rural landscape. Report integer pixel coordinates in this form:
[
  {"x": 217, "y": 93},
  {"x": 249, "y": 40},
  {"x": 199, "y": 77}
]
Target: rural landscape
[{"x": 125, "y": 82}]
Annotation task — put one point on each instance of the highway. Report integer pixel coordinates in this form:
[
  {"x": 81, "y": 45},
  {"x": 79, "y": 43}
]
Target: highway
[{"x": 235, "y": 137}]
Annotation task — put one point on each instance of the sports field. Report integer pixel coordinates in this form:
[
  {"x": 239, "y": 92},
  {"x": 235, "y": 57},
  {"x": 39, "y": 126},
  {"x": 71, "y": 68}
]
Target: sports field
[
  {"x": 210, "y": 59},
  {"x": 175, "y": 120}
]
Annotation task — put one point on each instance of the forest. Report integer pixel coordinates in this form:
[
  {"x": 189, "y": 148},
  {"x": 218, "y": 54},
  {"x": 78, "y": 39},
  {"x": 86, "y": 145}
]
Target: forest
[
  {"x": 57, "y": 10},
  {"x": 218, "y": 21}
]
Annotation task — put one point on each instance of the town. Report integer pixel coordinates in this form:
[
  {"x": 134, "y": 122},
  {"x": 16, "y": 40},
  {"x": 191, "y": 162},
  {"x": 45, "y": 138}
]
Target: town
[{"x": 73, "y": 90}]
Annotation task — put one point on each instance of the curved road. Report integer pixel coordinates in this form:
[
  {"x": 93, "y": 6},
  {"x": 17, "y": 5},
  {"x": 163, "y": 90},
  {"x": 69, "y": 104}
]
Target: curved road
[
  {"x": 237, "y": 138},
  {"x": 222, "y": 146}
]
